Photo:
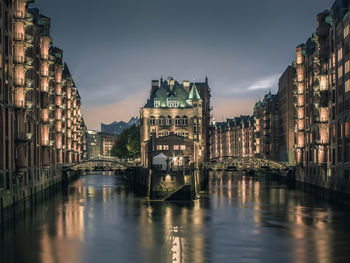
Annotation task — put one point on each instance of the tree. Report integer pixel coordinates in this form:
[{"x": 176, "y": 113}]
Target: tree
[{"x": 128, "y": 143}]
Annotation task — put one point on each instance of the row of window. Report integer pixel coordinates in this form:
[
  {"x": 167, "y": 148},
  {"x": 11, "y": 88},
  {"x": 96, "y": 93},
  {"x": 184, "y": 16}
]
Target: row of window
[
  {"x": 176, "y": 147},
  {"x": 179, "y": 133},
  {"x": 169, "y": 121},
  {"x": 170, "y": 104}
]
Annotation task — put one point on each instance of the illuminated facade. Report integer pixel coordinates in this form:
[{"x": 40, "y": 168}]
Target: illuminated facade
[
  {"x": 41, "y": 125},
  {"x": 266, "y": 117},
  {"x": 179, "y": 112},
  {"x": 233, "y": 138},
  {"x": 323, "y": 101}
]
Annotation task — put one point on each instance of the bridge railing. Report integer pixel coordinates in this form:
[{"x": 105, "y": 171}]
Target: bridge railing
[{"x": 246, "y": 163}]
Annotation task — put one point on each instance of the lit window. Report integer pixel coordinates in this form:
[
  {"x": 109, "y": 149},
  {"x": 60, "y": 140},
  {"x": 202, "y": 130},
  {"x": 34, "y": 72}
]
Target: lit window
[
  {"x": 157, "y": 103},
  {"x": 347, "y": 66},
  {"x": 165, "y": 147},
  {"x": 159, "y": 147},
  {"x": 340, "y": 72},
  {"x": 346, "y": 31},
  {"x": 183, "y": 147},
  {"x": 176, "y": 147},
  {"x": 172, "y": 104},
  {"x": 340, "y": 54},
  {"x": 152, "y": 121},
  {"x": 347, "y": 86}
]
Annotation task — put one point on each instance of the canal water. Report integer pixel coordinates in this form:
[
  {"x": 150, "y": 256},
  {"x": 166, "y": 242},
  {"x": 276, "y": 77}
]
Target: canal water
[{"x": 238, "y": 219}]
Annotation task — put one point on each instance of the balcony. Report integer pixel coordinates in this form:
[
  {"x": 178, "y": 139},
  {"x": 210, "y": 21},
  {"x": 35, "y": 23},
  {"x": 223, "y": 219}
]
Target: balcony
[
  {"x": 28, "y": 39},
  {"x": 18, "y": 36},
  {"x": 29, "y": 61},
  {"x": 320, "y": 120},
  {"x": 18, "y": 60},
  {"x": 44, "y": 56},
  {"x": 321, "y": 142},
  {"x": 28, "y": 86},
  {"x": 299, "y": 146},
  {"x": 29, "y": 17},
  {"x": 29, "y": 106},
  {"x": 18, "y": 81},
  {"x": 19, "y": 104},
  {"x": 44, "y": 73}
]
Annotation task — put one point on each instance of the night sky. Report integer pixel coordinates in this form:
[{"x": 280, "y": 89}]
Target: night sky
[{"x": 115, "y": 48}]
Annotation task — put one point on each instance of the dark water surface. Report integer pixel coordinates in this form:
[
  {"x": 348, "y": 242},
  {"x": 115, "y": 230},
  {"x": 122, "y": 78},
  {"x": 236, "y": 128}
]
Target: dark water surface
[{"x": 239, "y": 219}]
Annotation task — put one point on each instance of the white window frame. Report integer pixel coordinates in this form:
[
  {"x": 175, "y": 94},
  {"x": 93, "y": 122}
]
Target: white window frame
[
  {"x": 156, "y": 103},
  {"x": 172, "y": 104}
]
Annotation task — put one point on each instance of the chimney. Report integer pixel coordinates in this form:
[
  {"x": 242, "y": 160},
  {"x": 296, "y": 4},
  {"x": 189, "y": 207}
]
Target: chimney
[
  {"x": 187, "y": 85},
  {"x": 155, "y": 86}
]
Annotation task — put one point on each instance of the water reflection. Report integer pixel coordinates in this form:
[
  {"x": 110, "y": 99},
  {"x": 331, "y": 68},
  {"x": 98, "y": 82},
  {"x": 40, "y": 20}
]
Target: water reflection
[{"x": 239, "y": 219}]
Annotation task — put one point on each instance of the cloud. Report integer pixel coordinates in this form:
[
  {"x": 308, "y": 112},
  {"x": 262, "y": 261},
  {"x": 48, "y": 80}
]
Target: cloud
[{"x": 265, "y": 83}]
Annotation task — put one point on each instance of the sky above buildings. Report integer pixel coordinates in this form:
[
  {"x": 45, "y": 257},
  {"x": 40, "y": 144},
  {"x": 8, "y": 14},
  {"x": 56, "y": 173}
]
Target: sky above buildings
[{"x": 115, "y": 48}]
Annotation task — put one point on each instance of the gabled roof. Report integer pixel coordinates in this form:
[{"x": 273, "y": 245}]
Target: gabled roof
[
  {"x": 194, "y": 94},
  {"x": 171, "y": 90},
  {"x": 160, "y": 156}
]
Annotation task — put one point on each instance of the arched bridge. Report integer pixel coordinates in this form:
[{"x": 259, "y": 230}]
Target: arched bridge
[
  {"x": 98, "y": 164},
  {"x": 240, "y": 164}
]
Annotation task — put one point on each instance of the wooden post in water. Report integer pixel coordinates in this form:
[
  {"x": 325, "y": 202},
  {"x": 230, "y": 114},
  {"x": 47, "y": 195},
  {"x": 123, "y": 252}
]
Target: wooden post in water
[{"x": 149, "y": 184}]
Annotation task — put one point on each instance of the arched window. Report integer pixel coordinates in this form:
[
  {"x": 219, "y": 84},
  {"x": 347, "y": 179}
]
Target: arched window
[
  {"x": 177, "y": 121},
  {"x": 184, "y": 121},
  {"x": 169, "y": 121},
  {"x": 161, "y": 121},
  {"x": 152, "y": 121}
]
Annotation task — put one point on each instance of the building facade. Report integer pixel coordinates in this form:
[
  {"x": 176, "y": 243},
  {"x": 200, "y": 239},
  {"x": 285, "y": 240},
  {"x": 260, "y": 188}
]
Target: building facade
[
  {"x": 323, "y": 101},
  {"x": 285, "y": 97},
  {"x": 41, "y": 125},
  {"x": 178, "y": 112},
  {"x": 233, "y": 138},
  {"x": 307, "y": 124},
  {"x": 99, "y": 144}
]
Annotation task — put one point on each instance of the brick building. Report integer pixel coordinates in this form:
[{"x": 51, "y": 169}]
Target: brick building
[
  {"x": 41, "y": 125},
  {"x": 179, "y": 112}
]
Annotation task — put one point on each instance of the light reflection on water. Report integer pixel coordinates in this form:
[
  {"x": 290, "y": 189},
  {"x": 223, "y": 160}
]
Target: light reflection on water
[{"x": 239, "y": 219}]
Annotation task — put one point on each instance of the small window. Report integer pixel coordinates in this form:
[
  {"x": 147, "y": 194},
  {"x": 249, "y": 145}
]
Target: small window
[
  {"x": 340, "y": 72},
  {"x": 152, "y": 121},
  {"x": 165, "y": 147},
  {"x": 172, "y": 104},
  {"x": 183, "y": 147},
  {"x": 176, "y": 147},
  {"x": 177, "y": 121},
  {"x": 161, "y": 121},
  {"x": 169, "y": 121},
  {"x": 157, "y": 103},
  {"x": 184, "y": 121},
  {"x": 159, "y": 147},
  {"x": 340, "y": 54},
  {"x": 346, "y": 31}
]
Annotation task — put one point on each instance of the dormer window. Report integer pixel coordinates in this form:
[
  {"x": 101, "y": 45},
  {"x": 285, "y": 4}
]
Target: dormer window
[
  {"x": 172, "y": 104},
  {"x": 156, "y": 103}
]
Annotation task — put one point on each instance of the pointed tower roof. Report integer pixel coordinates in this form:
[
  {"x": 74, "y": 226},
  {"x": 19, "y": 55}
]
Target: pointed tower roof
[{"x": 194, "y": 94}]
